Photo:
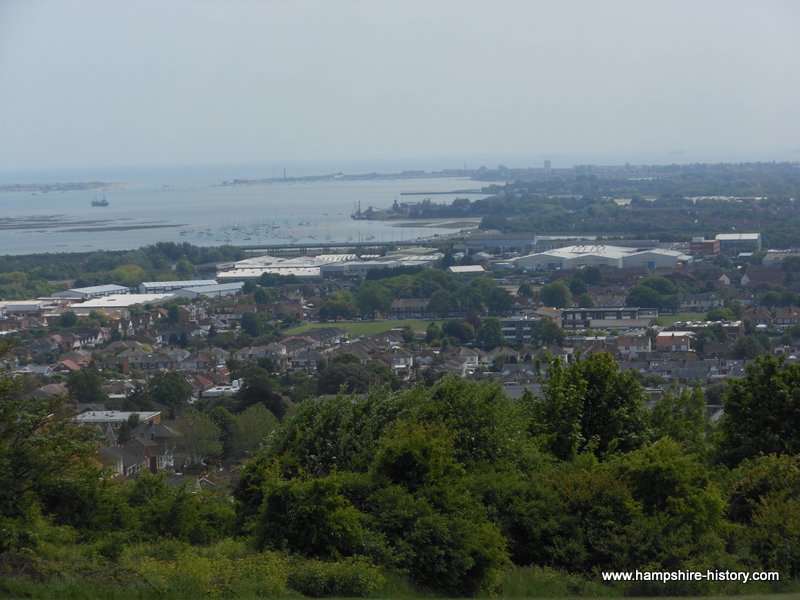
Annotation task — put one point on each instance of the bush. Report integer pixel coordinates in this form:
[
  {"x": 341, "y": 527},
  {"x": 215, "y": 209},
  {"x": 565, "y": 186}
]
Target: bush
[
  {"x": 350, "y": 577},
  {"x": 218, "y": 572}
]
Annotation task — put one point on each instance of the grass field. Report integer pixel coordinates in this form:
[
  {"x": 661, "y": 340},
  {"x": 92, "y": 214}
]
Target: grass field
[{"x": 356, "y": 328}]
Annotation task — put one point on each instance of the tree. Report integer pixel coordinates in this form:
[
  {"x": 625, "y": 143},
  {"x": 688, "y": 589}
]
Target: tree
[
  {"x": 199, "y": 438},
  {"x": 47, "y": 463},
  {"x": 500, "y": 301},
  {"x": 747, "y": 347},
  {"x": 591, "y": 275},
  {"x": 260, "y": 387},
  {"x": 556, "y": 294},
  {"x": 720, "y": 314},
  {"x": 339, "y": 305},
  {"x": 129, "y": 275},
  {"x": 372, "y": 297},
  {"x": 585, "y": 301},
  {"x": 185, "y": 269},
  {"x": 577, "y": 287},
  {"x": 645, "y": 297},
  {"x": 86, "y": 386},
  {"x": 662, "y": 285},
  {"x": 124, "y": 435},
  {"x": 253, "y": 324},
  {"x": 254, "y": 425},
  {"x": 681, "y": 415},
  {"x": 683, "y": 508},
  {"x": 490, "y": 334},
  {"x": 525, "y": 290},
  {"x": 68, "y": 319},
  {"x": 229, "y": 431},
  {"x": 354, "y": 378},
  {"x": 547, "y": 332},
  {"x": 432, "y": 332},
  {"x": 312, "y": 518},
  {"x": 461, "y": 330},
  {"x": 169, "y": 388},
  {"x": 442, "y": 303},
  {"x": 591, "y": 405},
  {"x": 762, "y": 411}
]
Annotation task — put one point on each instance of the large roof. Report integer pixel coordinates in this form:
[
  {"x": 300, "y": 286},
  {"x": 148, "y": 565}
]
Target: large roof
[
  {"x": 614, "y": 252},
  {"x": 95, "y": 289},
  {"x": 123, "y": 300},
  {"x": 177, "y": 284},
  {"x": 729, "y": 237}
]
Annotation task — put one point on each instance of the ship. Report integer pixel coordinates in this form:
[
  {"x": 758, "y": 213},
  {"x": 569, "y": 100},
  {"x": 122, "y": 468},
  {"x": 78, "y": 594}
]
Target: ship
[{"x": 101, "y": 202}]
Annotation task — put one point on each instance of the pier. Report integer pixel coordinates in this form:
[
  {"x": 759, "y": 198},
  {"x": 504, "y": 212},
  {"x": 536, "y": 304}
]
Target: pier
[{"x": 325, "y": 246}]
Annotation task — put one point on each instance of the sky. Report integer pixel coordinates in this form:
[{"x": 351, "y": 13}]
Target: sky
[{"x": 106, "y": 83}]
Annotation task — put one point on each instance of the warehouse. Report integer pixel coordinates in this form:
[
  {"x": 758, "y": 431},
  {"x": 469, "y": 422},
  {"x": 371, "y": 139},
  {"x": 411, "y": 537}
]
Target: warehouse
[{"x": 598, "y": 255}]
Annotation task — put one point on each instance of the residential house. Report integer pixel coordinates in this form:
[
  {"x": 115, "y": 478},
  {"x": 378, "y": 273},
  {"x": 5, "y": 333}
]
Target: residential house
[
  {"x": 759, "y": 315},
  {"x": 701, "y": 303},
  {"x": 786, "y": 316},
  {"x": 630, "y": 347},
  {"x": 674, "y": 341},
  {"x": 409, "y": 308}
]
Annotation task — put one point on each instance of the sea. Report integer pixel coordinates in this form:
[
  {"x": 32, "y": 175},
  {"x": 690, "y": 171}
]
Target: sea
[{"x": 202, "y": 207}]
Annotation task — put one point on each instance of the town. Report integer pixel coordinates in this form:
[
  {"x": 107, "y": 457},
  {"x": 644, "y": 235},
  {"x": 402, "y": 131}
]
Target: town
[
  {"x": 486, "y": 308},
  {"x": 585, "y": 339}
]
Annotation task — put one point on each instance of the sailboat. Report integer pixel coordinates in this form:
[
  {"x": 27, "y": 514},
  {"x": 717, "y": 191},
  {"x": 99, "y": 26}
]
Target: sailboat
[{"x": 102, "y": 202}]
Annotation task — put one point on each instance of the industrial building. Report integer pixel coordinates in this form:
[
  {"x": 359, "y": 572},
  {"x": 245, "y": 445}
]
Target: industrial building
[
  {"x": 160, "y": 287},
  {"x": 326, "y": 266},
  {"x": 573, "y": 257},
  {"x": 734, "y": 243},
  {"x": 307, "y": 267},
  {"x": 95, "y": 291},
  {"x": 211, "y": 291},
  {"x": 118, "y": 305},
  {"x": 607, "y": 318}
]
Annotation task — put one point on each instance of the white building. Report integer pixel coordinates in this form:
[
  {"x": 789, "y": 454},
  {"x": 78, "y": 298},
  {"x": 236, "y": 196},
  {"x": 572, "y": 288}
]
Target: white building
[
  {"x": 733, "y": 243},
  {"x": 159, "y": 287},
  {"x": 94, "y": 291},
  {"x": 573, "y": 257},
  {"x": 211, "y": 291},
  {"x": 118, "y": 305}
]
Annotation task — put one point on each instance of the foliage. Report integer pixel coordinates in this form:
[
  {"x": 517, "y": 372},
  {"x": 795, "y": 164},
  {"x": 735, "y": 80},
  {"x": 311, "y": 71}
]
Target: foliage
[
  {"x": 260, "y": 387},
  {"x": 681, "y": 415},
  {"x": 351, "y": 577},
  {"x": 199, "y": 438},
  {"x": 42, "y": 450},
  {"x": 556, "y": 294},
  {"x": 221, "y": 571},
  {"x": 352, "y": 378},
  {"x": 490, "y": 334},
  {"x": 169, "y": 388},
  {"x": 339, "y": 305},
  {"x": 86, "y": 385},
  {"x": 762, "y": 412},
  {"x": 312, "y": 518},
  {"x": 373, "y": 297},
  {"x": 591, "y": 405}
]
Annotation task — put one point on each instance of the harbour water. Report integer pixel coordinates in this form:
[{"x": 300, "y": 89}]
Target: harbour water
[{"x": 199, "y": 209}]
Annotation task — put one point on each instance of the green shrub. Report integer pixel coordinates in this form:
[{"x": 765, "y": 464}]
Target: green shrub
[
  {"x": 226, "y": 570},
  {"x": 545, "y": 582},
  {"x": 350, "y": 577}
]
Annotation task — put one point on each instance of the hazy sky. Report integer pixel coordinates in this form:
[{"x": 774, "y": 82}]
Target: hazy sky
[{"x": 145, "y": 82}]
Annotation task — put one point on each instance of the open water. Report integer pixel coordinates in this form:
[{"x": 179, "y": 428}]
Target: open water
[{"x": 149, "y": 207}]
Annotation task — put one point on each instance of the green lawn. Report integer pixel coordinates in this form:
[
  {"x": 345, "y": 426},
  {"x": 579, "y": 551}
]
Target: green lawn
[{"x": 364, "y": 327}]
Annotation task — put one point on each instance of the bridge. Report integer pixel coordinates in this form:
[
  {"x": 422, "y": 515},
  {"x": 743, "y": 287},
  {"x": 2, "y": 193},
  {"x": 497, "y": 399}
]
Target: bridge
[{"x": 304, "y": 247}]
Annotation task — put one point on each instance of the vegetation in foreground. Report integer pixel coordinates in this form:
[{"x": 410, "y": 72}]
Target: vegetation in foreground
[{"x": 451, "y": 489}]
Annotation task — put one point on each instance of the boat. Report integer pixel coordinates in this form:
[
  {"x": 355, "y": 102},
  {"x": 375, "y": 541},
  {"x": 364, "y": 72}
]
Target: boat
[{"x": 101, "y": 202}]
